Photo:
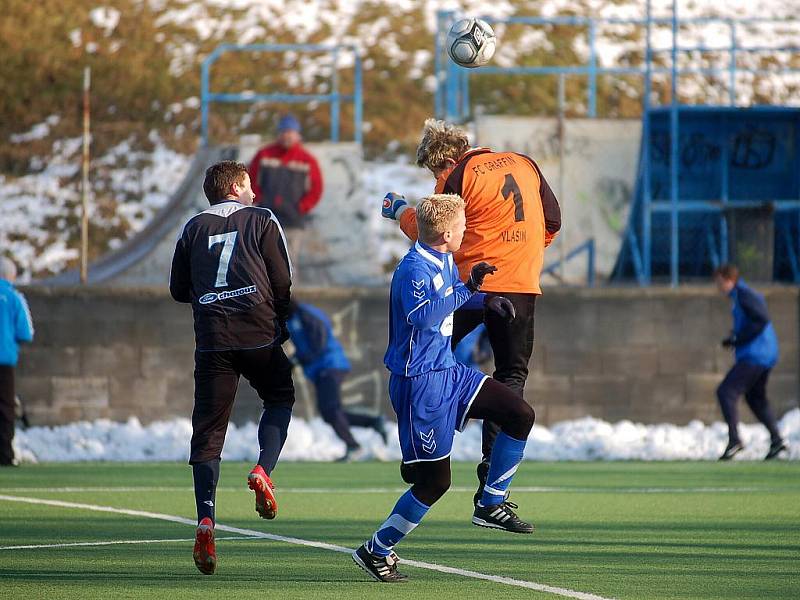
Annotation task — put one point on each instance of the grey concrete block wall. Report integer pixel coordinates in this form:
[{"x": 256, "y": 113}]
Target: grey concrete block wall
[{"x": 647, "y": 355}]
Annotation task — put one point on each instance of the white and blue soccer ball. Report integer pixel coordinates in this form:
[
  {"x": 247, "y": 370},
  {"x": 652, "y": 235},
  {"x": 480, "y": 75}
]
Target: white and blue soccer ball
[{"x": 471, "y": 42}]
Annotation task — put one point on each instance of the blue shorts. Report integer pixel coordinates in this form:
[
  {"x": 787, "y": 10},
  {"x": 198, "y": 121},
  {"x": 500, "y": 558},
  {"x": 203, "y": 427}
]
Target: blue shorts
[{"x": 430, "y": 408}]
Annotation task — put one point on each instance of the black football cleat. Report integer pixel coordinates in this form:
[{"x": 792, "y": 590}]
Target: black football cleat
[
  {"x": 380, "y": 568},
  {"x": 731, "y": 450},
  {"x": 500, "y": 516},
  {"x": 776, "y": 448},
  {"x": 483, "y": 472}
]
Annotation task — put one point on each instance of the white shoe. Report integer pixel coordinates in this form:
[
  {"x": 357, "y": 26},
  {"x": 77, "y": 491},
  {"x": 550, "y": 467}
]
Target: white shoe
[{"x": 354, "y": 455}]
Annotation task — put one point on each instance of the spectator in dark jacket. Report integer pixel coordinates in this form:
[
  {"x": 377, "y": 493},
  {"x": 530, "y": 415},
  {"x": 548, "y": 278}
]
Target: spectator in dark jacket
[
  {"x": 16, "y": 326},
  {"x": 755, "y": 345},
  {"x": 325, "y": 365}
]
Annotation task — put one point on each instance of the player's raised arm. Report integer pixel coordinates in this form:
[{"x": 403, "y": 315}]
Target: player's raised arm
[
  {"x": 422, "y": 309},
  {"x": 396, "y": 208}
]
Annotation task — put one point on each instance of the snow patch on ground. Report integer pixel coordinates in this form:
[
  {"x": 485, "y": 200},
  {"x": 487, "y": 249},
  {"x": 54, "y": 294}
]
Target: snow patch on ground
[{"x": 583, "y": 439}]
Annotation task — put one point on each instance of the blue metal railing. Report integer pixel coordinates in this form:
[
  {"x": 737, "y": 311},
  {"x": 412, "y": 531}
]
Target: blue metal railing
[
  {"x": 334, "y": 98},
  {"x": 588, "y": 248},
  {"x": 452, "y": 97},
  {"x": 452, "y": 102}
]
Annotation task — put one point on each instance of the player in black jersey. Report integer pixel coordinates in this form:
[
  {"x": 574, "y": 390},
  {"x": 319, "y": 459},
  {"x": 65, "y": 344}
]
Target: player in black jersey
[{"x": 232, "y": 265}]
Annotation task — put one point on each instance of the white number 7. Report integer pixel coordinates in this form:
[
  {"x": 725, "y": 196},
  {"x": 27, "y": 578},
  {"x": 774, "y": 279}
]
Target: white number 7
[{"x": 229, "y": 239}]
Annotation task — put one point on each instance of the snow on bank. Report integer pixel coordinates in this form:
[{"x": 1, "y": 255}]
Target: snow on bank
[{"x": 581, "y": 439}]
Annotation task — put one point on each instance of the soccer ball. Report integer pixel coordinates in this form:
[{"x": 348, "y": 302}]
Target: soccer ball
[{"x": 470, "y": 42}]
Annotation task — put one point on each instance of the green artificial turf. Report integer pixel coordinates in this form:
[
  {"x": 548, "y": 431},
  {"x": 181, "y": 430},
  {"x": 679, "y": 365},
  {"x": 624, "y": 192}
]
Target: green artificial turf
[{"x": 619, "y": 530}]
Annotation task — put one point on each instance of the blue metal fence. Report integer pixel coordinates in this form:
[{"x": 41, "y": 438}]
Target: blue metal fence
[
  {"x": 588, "y": 248},
  {"x": 335, "y": 98},
  {"x": 664, "y": 228},
  {"x": 452, "y": 96}
]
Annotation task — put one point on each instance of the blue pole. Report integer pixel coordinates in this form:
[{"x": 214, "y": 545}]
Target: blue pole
[
  {"x": 732, "y": 65},
  {"x": 647, "y": 181},
  {"x": 452, "y": 91},
  {"x": 204, "y": 99},
  {"x": 335, "y": 94},
  {"x": 358, "y": 99},
  {"x": 465, "y": 107},
  {"x": 437, "y": 65},
  {"x": 590, "y": 267},
  {"x": 674, "y": 132},
  {"x": 592, "y": 71},
  {"x": 723, "y": 221}
]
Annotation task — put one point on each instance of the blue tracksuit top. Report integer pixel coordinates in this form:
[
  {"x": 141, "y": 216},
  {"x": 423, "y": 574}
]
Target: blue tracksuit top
[
  {"x": 317, "y": 348},
  {"x": 426, "y": 290},
  {"x": 16, "y": 324},
  {"x": 754, "y": 337}
]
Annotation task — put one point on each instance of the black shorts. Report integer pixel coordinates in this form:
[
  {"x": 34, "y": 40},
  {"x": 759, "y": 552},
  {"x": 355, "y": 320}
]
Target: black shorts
[{"x": 216, "y": 377}]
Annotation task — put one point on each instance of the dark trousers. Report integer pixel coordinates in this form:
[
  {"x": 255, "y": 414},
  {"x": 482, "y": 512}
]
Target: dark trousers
[
  {"x": 216, "y": 378},
  {"x": 328, "y": 385},
  {"x": 750, "y": 380},
  {"x": 512, "y": 345},
  {"x": 7, "y": 415},
  {"x": 495, "y": 402}
]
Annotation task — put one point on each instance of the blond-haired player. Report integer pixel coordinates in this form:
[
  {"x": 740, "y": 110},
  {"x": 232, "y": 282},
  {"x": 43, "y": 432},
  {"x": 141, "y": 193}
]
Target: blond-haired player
[
  {"x": 512, "y": 216},
  {"x": 432, "y": 394}
]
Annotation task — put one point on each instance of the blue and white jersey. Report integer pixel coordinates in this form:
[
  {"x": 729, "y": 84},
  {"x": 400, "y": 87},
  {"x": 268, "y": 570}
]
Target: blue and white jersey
[{"x": 426, "y": 289}]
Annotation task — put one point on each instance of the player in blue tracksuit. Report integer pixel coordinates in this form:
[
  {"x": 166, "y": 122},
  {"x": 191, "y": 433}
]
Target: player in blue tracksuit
[
  {"x": 474, "y": 349},
  {"x": 16, "y": 326},
  {"x": 433, "y": 395},
  {"x": 755, "y": 346},
  {"x": 325, "y": 364}
]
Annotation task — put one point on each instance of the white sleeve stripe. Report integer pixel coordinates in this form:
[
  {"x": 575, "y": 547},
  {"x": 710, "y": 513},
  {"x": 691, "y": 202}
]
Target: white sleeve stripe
[
  {"x": 283, "y": 239},
  {"x": 417, "y": 307},
  {"x": 27, "y": 312}
]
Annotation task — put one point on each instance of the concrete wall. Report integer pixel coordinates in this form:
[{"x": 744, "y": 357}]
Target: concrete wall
[
  {"x": 599, "y": 172},
  {"x": 649, "y": 355},
  {"x": 337, "y": 246}
]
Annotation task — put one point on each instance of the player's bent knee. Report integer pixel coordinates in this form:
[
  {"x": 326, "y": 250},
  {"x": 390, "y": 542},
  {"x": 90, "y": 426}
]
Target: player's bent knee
[
  {"x": 429, "y": 491},
  {"x": 527, "y": 417},
  {"x": 520, "y": 420},
  {"x": 722, "y": 394},
  {"x": 408, "y": 472}
]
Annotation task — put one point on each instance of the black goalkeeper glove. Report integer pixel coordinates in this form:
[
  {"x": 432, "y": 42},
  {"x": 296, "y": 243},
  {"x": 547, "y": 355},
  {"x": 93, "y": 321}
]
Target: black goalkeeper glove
[
  {"x": 502, "y": 306},
  {"x": 477, "y": 275},
  {"x": 729, "y": 342}
]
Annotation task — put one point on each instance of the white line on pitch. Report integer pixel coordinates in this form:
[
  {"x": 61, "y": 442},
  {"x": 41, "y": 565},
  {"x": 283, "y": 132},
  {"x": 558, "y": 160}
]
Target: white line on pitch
[
  {"x": 539, "y": 587},
  {"x": 116, "y": 542},
  {"x": 400, "y": 490}
]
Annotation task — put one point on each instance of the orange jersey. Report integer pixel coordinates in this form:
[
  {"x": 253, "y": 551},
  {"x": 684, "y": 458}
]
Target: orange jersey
[{"x": 512, "y": 215}]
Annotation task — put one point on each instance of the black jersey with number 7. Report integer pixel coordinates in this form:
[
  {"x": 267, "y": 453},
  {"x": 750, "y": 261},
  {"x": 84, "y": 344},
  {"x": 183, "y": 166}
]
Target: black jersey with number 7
[{"x": 232, "y": 265}]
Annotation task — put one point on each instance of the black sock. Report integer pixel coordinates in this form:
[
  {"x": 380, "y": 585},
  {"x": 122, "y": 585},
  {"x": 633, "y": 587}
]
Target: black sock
[
  {"x": 272, "y": 434},
  {"x": 206, "y": 476}
]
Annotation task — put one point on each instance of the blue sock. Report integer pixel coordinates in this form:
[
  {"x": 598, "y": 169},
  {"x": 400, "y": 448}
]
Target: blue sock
[
  {"x": 506, "y": 456},
  {"x": 206, "y": 476},
  {"x": 272, "y": 434},
  {"x": 406, "y": 515}
]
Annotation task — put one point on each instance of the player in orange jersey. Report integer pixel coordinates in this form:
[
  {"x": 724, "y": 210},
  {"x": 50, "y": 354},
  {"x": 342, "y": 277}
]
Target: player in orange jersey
[{"x": 512, "y": 216}]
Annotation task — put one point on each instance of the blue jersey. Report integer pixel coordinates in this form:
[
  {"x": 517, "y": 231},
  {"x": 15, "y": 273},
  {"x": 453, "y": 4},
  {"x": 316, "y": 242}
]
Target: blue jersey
[
  {"x": 426, "y": 289},
  {"x": 16, "y": 324},
  {"x": 755, "y": 339},
  {"x": 317, "y": 348}
]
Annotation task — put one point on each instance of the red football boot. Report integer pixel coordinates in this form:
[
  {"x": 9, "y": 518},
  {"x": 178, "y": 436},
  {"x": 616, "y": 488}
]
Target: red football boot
[
  {"x": 260, "y": 483},
  {"x": 205, "y": 550}
]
